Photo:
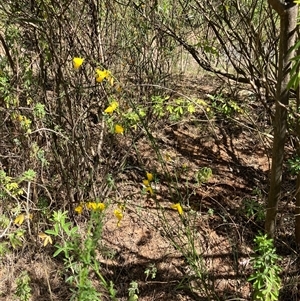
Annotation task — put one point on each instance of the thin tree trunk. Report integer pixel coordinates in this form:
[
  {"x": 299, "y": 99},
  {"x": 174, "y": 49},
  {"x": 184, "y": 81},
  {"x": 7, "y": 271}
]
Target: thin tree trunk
[
  {"x": 288, "y": 23},
  {"x": 297, "y": 210}
]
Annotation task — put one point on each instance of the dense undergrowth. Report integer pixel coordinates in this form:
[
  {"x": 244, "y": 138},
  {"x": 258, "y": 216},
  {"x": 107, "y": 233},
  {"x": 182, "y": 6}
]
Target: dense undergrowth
[{"x": 91, "y": 95}]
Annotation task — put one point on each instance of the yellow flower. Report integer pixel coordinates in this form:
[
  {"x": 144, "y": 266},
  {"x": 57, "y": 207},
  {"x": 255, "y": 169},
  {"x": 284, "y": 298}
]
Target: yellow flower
[
  {"x": 101, "y": 75},
  {"x": 90, "y": 205},
  {"x": 178, "y": 208},
  {"x": 114, "y": 104},
  {"x": 19, "y": 219},
  {"x": 46, "y": 239},
  {"x": 95, "y": 206},
  {"x": 146, "y": 183},
  {"x": 149, "y": 176},
  {"x": 79, "y": 209},
  {"x": 119, "y": 215},
  {"x": 111, "y": 80},
  {"x": 149, "y": 189},
  {"x": 119, "y": 129},
  {"x": 77, "y": 62},
  {"x": 112, "y": 107},
  {"x": 100, "y": 206},
  {"x": 109, "y": 110}
]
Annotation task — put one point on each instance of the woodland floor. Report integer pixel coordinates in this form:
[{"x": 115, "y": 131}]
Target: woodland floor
[{"x": 239, "y": 159}]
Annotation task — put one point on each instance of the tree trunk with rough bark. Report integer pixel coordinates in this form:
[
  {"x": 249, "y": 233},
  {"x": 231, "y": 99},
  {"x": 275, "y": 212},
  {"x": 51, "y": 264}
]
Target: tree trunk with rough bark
[
  {"x": 288, "y": 23},
  {"x": 297, "y": 210}
]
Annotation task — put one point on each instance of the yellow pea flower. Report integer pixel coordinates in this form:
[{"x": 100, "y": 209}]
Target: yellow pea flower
[
  {"x": 119, "y": 129},
  {"x": 178, "y": 208},
  {"x": 112, "y": 107},
  {"x": 77, "y": 62},
  {"x": 101, "y": 75},
  {"x": 79, "y": 209},
  {"x": 149, "y": 176},
  {"x": 109, "y": 110},
  {"x": 114, "y": 104},
  {"x": 46, "y": 239},
  {"x": 100, "y": 206},
  {"x": 90, "y": 205},
  {"x": 146, "y": 183},
  {"x": 150, "y": 190},
  {"x": 95, "y": 206},
  {"x": 119, "y": 215},
  {"x": 111, "y": 80},
  {"x": 19, "y": 219}
]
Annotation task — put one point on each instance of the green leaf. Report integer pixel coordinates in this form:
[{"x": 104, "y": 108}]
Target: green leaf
[
  {"x": 58, "y": 251},
  {"x": 169, "y": 108},
  {"x": 29, "y": 175},
  {"x": 191, "y": 108},
  {"x": 134, "y": 297},
  {"x": 51, "y": 232}
]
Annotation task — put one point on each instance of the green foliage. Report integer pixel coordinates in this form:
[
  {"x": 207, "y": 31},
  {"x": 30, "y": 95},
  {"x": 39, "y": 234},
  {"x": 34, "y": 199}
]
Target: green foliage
[
  {"x": 133, "y": 291},
  {"x": 80, "y": 256},
  {"x": 10, "y": 187},
  {"x": 294, "y": 72},
  {"x": 5, "y": 91},
  {"x": 253, "y": 209},
  {"x": 23, "y": 290},
  {"x": 294, "y": 165},
  {"x": 174, "y": 109},
  {"x": 4, "y": 248},
  {"x": 39, "y": 154},
  {"x": 224, "y": 106},
  {"x": 151, "y": 271},
  {"x": 16, "y": 238},
  {"x": 39, "y": 110},
  {"x": 13, "y": 236},
  {"x": 265, "y": 279},
  {"x": 203, "y": 175},
  {"x": 134, "y": 116},
  {"x": 158, "y": 105},
  {"x": 110, "y": 181},
  {"x": 4, "y": 221},
  {"x": 59, "y": 136},
  {"x": 4, "y": 226},
  {"x": 43, "y": 206},
  {"x": 28, "y": 175}
]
